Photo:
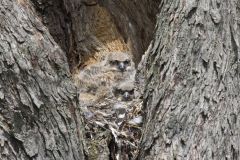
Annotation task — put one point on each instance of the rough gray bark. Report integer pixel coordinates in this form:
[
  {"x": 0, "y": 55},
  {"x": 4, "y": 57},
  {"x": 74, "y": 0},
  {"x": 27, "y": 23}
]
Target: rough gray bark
[
  {"x": 39, "y": 118},
  {"x": 68, "y": 22},
  {"x": 192, "y": 82}
]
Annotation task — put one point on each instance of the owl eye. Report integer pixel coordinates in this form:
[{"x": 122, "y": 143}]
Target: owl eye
[
  {"x": 120, "y": 91},
  {"x": 116, "y": 91},
  {"x": 115, "y": 62},
  {"x": 127, "y": 62},
  {"x": 131, "y": 92}
]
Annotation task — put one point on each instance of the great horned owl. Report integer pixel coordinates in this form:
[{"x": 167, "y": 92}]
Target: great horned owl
[
  {"x": 119, "y": 61},
  {"x": 96, "y": 80},
  {"x": 121, "y": 65},
  {"x": 114, "y": 67},
  {"x": 107, "y": 96},
  {"x": 124, "y": 91}
]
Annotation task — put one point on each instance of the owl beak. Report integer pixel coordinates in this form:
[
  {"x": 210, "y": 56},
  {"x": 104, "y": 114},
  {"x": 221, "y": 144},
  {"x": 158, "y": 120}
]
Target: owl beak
[
  {"x": 121, "y": 66},
  {"x": 126, "y": 96}
]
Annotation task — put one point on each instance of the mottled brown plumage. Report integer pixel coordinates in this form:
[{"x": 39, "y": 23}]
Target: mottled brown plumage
[{"x": 98, "y": 79}]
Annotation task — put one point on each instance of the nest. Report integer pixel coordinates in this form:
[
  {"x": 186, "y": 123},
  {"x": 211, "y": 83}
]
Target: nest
[{"x": 112, "y": 132}]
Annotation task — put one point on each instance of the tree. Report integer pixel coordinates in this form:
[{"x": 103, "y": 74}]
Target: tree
[
  {"x": 192, "y": 82},
  {"x": 38, "y": 102},
  {"x": 190, "y": 74}
]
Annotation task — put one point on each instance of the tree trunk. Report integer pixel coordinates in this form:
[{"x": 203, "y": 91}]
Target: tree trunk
[
  {"x": 192, "y": 89},
  {"x": 69, "y": 23},
  {"x": 38, "y": 101}
]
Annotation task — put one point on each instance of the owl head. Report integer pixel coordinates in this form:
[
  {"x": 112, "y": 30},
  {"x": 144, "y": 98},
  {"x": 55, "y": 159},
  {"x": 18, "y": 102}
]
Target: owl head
[
  {"x": 119, "y": 61},
  {"x": 124, "y": 91}
]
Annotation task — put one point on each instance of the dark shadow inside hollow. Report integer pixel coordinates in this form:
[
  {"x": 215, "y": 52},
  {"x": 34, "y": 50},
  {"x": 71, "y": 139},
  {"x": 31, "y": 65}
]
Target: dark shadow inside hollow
[
  {"x": 135, "y": 22},
  {"x": 86, "y": 29}
]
